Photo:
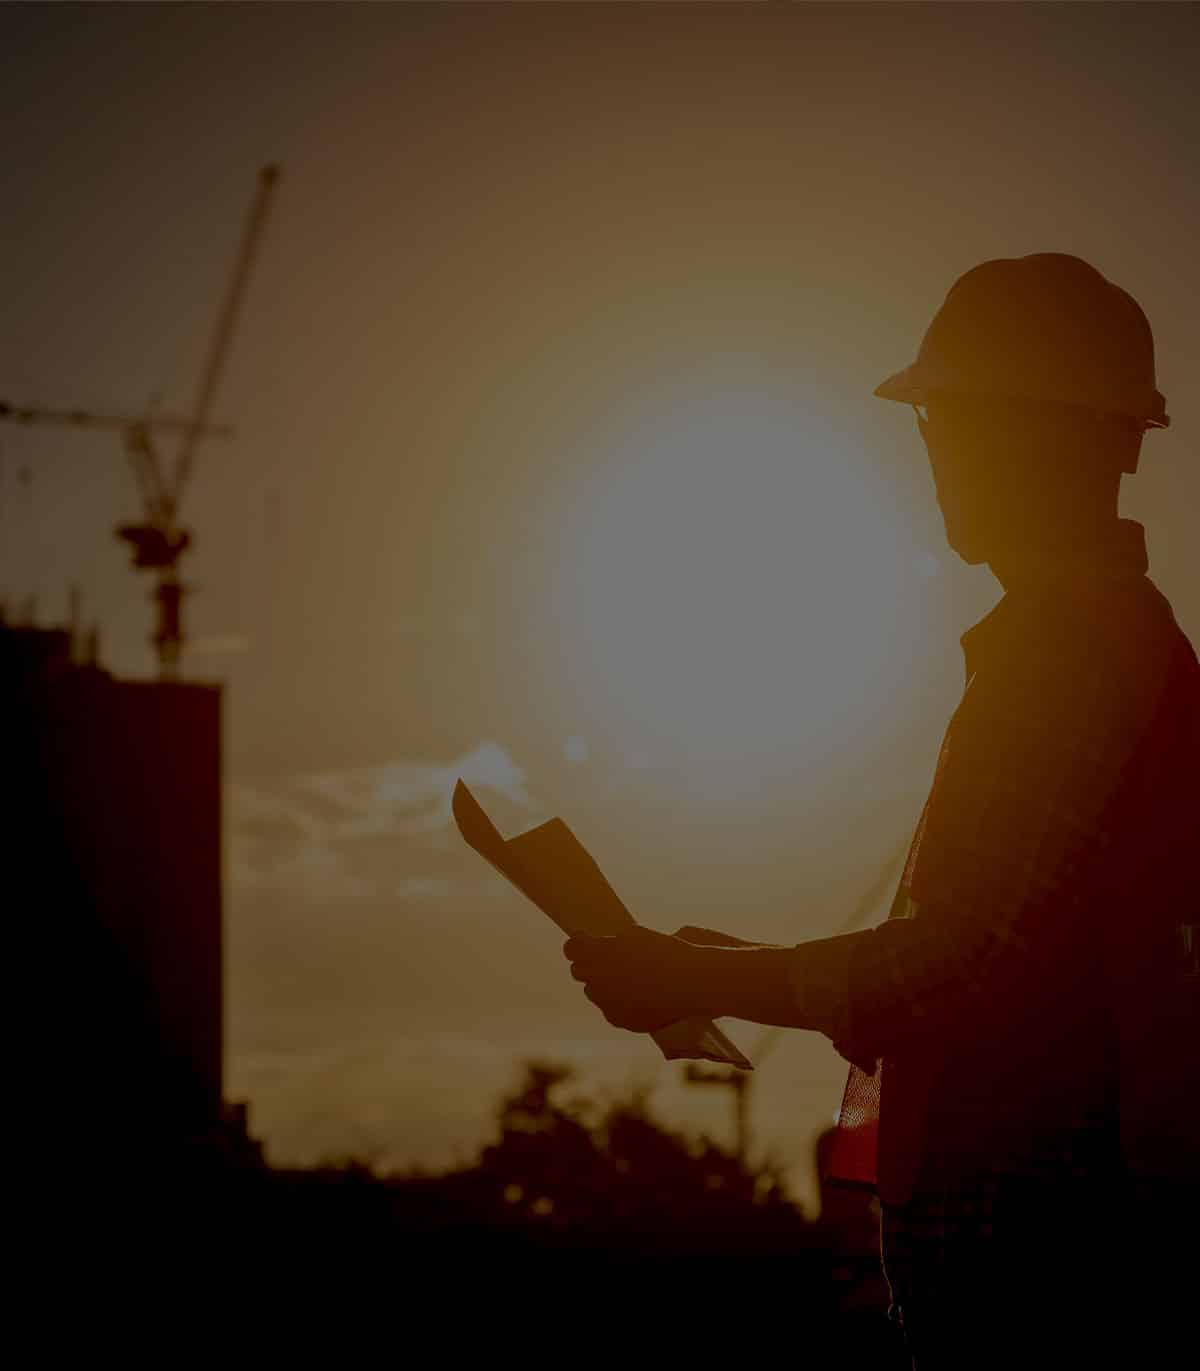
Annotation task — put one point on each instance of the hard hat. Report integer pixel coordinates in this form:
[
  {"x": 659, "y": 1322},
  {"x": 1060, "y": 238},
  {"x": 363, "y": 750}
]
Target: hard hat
[{"x": 1046, "y": 327}]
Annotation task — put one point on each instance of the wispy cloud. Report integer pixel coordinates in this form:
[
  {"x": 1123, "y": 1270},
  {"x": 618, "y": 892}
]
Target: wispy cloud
[
  {"x": 413, "y": 797},
  {"x": 359, "y": 830}
]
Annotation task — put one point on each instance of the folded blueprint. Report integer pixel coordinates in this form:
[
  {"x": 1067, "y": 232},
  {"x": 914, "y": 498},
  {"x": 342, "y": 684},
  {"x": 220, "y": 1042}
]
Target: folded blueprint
[{"x": 550, "y": 866}]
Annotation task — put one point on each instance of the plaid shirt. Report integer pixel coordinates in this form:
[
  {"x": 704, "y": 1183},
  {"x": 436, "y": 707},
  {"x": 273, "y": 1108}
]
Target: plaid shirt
[{"x": 979, "y": 1017}]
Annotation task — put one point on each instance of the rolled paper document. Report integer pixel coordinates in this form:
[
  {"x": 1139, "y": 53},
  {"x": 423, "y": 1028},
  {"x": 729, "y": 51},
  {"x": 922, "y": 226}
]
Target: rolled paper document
[{"x": 552, "y": 868}]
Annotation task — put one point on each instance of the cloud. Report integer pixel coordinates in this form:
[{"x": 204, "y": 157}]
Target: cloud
[{"x": 361, "y": 830}]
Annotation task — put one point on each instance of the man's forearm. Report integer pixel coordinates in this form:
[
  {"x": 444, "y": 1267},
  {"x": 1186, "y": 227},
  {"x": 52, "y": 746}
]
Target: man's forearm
[{"x": 794, "y": 987}]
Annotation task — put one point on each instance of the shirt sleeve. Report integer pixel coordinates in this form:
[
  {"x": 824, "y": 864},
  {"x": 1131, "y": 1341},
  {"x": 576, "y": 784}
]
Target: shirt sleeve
[{"x": 1014, "y": 832}]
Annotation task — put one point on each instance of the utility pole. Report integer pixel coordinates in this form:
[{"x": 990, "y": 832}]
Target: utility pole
[{"x": 739, "y": 1084}]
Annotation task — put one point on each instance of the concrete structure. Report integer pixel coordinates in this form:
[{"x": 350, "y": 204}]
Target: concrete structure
[{"x": 114, "y": 841}]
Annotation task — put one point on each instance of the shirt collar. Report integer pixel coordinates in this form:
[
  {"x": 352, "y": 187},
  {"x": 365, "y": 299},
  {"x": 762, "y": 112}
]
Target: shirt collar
[{"x": 1120, "y": 555}]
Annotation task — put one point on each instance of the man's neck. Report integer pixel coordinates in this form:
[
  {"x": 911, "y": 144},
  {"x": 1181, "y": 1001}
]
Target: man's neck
[{"x": 1049, "y": 553}]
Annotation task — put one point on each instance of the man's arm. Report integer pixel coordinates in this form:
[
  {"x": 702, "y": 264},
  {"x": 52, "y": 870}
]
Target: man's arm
[
  {"x": 711, "y": 937},
  {"x": 1011, "y": 857},
  {"x": 1019, "y": 807},
  {"x": 644, "y": 980}
]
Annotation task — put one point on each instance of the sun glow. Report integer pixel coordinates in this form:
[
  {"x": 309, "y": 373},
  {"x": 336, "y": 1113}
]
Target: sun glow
[{"x": 732, "y": 590}]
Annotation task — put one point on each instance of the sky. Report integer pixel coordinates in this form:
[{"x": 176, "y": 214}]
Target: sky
[{"x": 556, "y": 466}]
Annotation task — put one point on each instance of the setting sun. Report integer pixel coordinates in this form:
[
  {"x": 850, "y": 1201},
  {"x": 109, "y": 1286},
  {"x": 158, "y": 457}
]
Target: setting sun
[{"x": 732, "y": 588}]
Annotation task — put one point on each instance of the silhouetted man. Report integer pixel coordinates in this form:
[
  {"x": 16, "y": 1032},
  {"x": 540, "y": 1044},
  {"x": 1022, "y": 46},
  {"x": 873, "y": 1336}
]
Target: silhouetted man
[{"x": 1023, "y": 1029}]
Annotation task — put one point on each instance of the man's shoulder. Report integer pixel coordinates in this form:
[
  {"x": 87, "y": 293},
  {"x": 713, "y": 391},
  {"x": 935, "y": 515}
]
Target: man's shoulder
[
  {"x": 1126, "y": 636},
  {"x": 1086, "y": 659},
  {"x": 1120, "y": 615}
]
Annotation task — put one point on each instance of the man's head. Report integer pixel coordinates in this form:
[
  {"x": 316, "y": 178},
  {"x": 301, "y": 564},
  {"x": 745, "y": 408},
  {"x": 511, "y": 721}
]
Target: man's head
[{"x": 1033, "y": 386}]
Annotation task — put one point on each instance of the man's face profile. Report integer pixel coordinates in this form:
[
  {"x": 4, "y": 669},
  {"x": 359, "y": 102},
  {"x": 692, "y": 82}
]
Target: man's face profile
[
  {"x": 980, "y": 457},
  {"x": 1011, "y": 475}
]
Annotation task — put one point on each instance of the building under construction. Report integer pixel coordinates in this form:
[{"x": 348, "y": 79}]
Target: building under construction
[{"x": 114, "y": 858}]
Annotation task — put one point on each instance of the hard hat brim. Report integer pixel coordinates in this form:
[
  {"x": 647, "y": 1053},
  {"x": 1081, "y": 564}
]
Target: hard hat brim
[
  {"x": 904, "y": 387},
  {"x": 914, "y": 386}
]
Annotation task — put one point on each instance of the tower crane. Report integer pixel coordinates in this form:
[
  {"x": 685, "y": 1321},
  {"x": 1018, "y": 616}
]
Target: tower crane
[{"x": 159, "y": 540}]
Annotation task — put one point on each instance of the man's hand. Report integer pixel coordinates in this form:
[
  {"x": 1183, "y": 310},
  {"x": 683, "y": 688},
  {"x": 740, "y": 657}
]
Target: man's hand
[{"x": 641, "y": 980}]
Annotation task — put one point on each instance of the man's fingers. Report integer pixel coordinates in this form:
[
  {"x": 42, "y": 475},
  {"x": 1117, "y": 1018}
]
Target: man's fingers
[
  {"x": 617, "y": 1014},
  {"x": 608, "y": 973}
]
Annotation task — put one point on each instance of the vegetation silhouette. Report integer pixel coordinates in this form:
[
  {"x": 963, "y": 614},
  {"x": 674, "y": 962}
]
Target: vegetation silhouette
[
  {"x": 567, "y": 1172},
  {"x": 571, "y": 1173},
  {"x": 572, "y": 1190}
]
